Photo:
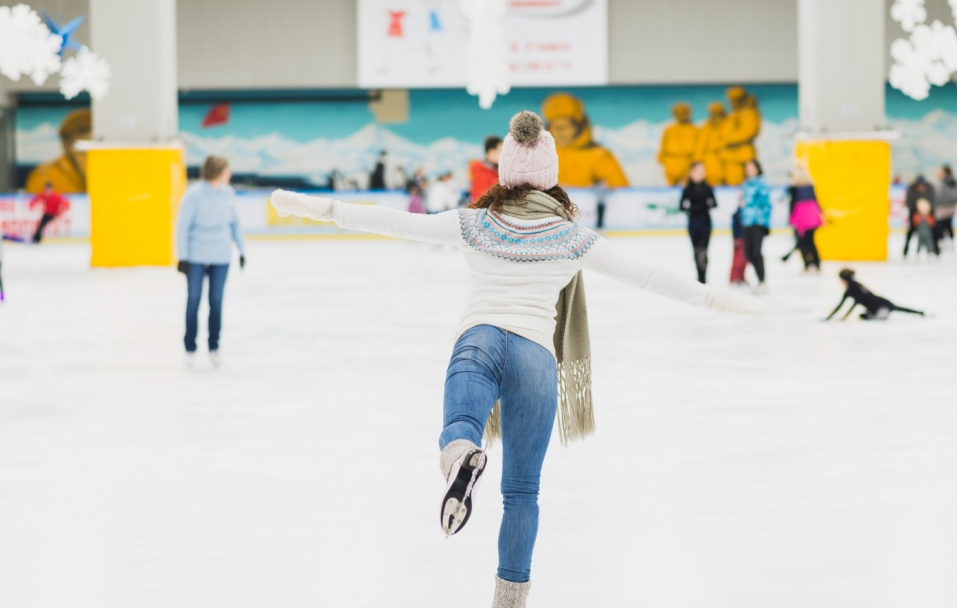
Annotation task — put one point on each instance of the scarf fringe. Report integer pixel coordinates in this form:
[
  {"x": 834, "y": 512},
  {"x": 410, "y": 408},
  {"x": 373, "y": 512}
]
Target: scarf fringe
[{"x": 576, "y": 414}]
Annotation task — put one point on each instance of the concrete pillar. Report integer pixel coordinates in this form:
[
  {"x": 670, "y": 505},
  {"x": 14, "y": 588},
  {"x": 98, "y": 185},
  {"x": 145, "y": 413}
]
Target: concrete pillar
[
  {"x": 136, "y": 172},
  {"x": 138, "y": 39},
  {"x": 843, "y": 134},
  {"x": 7, "y": 155},
  {"x": 841, "y": 71}
]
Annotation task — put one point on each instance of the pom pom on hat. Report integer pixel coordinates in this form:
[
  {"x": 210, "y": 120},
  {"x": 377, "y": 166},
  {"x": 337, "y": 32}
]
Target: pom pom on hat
[
  {"x": 525, "y": 127},
  {"x": 528, "y": 154}
]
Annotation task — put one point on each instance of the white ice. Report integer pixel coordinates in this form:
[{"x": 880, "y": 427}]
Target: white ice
[{"x": 738, "y": 463}]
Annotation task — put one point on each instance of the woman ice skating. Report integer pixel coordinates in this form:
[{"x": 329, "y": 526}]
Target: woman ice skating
[
  {"x": 876, "y": 307},
  {"x": 697, "y": 200},
  {"x": 522, "y": 353},
  {"x": 805, "y": 217},
  {"x": 756, "y": 218},
  {"x": 208, "y": 224}
]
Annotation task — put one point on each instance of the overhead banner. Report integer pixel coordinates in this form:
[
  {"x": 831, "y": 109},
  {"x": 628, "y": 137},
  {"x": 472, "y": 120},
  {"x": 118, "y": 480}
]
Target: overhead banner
[{"x": 422, "y": 44}]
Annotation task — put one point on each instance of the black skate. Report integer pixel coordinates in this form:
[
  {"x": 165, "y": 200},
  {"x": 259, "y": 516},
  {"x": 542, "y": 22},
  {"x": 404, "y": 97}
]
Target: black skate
[{"x": 457, "y": 503}]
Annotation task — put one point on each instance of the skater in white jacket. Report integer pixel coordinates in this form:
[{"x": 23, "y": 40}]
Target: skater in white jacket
[{"x": 522, "y": 355}]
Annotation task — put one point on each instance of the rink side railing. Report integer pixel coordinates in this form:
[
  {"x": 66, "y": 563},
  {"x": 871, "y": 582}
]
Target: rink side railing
[{"x": 627, "y": 211}]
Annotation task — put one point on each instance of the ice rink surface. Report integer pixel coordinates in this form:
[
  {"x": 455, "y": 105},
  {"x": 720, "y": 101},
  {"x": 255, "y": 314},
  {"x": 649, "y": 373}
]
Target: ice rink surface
[{"x": 739, "y": 462}]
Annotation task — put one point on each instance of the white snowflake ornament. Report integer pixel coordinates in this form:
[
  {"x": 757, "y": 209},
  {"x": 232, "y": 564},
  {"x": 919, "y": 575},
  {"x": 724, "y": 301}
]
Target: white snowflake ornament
[
  {"x": 487, "y": 53},
  {"x": 909, "y": 13},
  {"x": 86, "y": 71},
  {"x": 27, "y": 47}
]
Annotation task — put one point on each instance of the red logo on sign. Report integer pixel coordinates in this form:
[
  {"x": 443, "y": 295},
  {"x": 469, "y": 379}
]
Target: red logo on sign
[{"x": 395, "y": 24}]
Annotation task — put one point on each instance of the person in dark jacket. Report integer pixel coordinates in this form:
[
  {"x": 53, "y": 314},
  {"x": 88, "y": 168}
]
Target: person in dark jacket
[
  {"x": 946, "y": 206},
  {"x": 919, "y": 188},
  {"x": 876, "y": 307},
  {"x": 377, "y": 179},
  {"x": 697, "y": 200}
]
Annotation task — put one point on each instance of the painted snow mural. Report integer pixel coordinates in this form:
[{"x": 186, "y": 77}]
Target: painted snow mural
[{"x": 309, "y": 140}]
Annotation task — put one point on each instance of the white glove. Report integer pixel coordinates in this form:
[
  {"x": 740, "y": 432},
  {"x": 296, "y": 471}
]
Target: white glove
[
  {"x": 317, "y": 208},
  {"x": 725, "y": 301}
]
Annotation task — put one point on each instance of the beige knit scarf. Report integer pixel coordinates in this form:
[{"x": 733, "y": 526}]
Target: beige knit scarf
[{"x": 576, "y": 416}]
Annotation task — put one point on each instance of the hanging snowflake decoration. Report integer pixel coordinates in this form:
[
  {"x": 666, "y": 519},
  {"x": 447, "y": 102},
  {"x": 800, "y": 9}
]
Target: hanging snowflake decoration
[
  {"x": 908, "y": 13},
  {"x": 27, "y": 47},
  {"x": 85, "y": 71},
  {"x": 487, "y": 52},
  {"x": 928, "y": 56}
]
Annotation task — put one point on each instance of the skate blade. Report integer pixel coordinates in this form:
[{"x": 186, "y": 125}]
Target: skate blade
[{"x": 456, "y": 514}]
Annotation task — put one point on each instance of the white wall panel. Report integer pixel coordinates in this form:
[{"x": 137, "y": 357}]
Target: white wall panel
[
  {"x": 701, "y": 41},
  {"x": 256, "y": 44}
]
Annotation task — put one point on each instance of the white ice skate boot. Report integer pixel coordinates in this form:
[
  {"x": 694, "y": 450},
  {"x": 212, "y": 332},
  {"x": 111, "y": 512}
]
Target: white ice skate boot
[
  {"x": 509, "y": 594},
  {"x": 761, "y": 289},
  {"x": 189, "y": 359},
  {"x": 462, "y": 463},
  {"x": 215, "y": 358}
]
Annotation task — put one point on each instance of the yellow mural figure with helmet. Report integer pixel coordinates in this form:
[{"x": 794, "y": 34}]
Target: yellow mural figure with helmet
[
  {"x": 581, "y": 162},
  {"x": 711, "y": 144},
  {"x": 740, "y": 129},
  {"x": 678, "y": 145},
  {"x": 68, "y": 172}
]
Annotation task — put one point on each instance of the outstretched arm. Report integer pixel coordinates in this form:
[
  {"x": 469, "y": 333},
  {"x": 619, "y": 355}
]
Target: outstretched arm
[
  {"x": 849, "y": 311},
  {"x": 603, "y": 259},
  {"x": 834, "y": 312},
  {"x": 443, "y": 228}
]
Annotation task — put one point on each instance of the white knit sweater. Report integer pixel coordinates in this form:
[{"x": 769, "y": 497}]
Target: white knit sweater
[{"x": 518, "y": 266}]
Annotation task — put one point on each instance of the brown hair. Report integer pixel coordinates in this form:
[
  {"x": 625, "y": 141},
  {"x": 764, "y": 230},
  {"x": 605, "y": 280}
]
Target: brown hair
[
  {"x": 213, "y": 167},
  {"x": 497, "y": 195}
]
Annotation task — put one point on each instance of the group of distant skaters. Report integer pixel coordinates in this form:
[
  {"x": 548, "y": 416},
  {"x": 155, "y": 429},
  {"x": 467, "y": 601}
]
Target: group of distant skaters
[{"x": 930, "y": 218}]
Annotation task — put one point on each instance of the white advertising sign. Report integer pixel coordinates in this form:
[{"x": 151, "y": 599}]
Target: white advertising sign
[{"x": 422, "y": 43}]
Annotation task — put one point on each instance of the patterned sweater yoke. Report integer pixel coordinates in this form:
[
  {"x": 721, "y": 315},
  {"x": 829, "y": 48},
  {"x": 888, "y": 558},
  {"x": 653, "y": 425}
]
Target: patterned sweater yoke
[{"x": 540, "y": 241}]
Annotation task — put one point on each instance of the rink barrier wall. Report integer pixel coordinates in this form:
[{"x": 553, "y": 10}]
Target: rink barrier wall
[{"x": 628, "y": 212}]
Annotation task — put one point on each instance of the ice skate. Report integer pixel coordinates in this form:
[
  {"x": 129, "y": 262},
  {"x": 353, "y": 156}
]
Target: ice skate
[
  {"x": 215, "y": 358},
  {"x": 189, "y": 360},
  {"x": 761, "y": 289},
  {"x": 462, "y": 462}
]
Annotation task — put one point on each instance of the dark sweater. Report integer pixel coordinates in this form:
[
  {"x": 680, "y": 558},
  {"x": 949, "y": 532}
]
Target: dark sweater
[{"x": 697, "y": 199}]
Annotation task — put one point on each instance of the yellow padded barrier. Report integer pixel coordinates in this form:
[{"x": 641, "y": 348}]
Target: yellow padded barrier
[
  {"x": 852, "y": 180},
  {"x": 134, "y": 196}
]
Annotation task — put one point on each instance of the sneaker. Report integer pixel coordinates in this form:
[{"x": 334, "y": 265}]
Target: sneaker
[
  {"x": 215, "y": 358},
  {"x": 190, "y": 359},
  {"x": 462, "y": 463},
  {"x": 761, "y": 289}
]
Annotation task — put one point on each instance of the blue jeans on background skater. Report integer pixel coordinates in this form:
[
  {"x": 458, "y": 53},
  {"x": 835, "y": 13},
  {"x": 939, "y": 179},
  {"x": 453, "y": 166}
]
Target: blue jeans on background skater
[
  {"x": 490, "y": 364},
  {"x": 194, "y": 281}
]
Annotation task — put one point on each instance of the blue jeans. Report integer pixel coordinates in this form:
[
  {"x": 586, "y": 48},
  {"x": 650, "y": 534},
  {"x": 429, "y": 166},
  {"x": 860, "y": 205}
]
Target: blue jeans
[
  {"x": 490, "y": 364},
  {"x": 194, "y": 281}
]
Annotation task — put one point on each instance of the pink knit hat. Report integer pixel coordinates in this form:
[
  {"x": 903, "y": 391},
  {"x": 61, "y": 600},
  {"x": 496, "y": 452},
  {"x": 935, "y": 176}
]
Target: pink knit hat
[{"x": 528, "y": 154}]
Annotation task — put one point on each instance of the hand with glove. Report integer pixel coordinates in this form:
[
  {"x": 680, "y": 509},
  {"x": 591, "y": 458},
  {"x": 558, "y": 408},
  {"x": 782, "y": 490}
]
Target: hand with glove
[
  {"x": 316, "y": 208},
  {"x": 242, "y": 261},
  {"x": 182, "y": 266}
]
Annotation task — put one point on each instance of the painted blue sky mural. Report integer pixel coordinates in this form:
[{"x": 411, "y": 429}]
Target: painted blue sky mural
[{"x": 308, "y": 139}]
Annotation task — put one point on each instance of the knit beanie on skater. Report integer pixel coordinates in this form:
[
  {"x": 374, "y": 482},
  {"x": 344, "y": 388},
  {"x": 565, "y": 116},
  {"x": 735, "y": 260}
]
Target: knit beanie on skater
[{"x": 528, "y": 154}]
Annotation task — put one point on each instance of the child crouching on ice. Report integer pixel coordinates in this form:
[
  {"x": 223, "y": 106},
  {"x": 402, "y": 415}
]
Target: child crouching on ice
[{"x": 877, "y": 307}]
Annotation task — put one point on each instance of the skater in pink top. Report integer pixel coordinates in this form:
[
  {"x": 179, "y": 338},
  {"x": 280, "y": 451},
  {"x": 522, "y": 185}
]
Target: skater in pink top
[{"x": 522, "y": 357}]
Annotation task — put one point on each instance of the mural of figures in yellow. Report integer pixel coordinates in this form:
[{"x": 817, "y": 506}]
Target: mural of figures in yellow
[
  {"x": 711, "y": 143},
  {"x": 740, "y": 129},
  {"x": 678, "y": 145},
  {"x": 68, "y": 172},
  {"x": 581, "y": 161}
]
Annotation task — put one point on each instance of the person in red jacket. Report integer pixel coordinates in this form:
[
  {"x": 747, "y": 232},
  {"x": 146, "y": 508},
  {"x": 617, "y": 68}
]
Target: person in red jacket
[
  {"x": 53, "y": 205},
  {"x": 484, "y": 173}
]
